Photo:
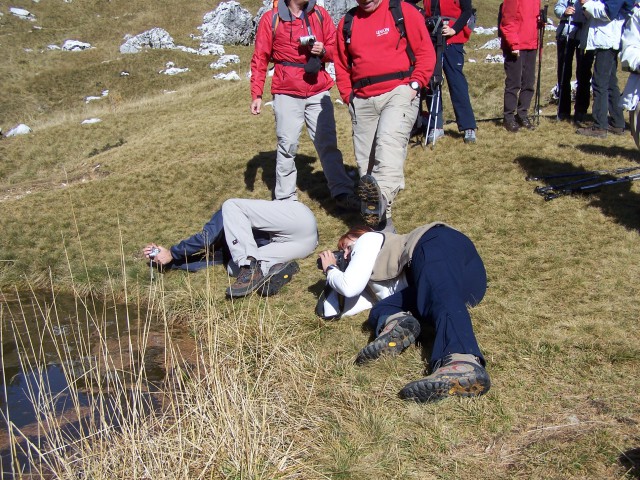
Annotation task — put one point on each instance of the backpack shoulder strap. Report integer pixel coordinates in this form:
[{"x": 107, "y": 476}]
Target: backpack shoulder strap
[
  {"x": 348, "y": 25},
  {"x": 275, "y": 21},
  {"x": 398, "y": 17}
]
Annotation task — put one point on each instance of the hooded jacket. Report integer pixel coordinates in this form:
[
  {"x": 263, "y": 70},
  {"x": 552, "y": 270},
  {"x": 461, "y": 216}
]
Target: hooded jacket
[
  {"x": 519, "y": 25},
  {"x": 284, "y": 46},
  {"x": 605, "y": 22}
]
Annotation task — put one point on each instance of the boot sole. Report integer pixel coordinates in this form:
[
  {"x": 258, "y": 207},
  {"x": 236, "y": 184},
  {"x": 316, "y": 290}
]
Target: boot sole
[
  {"x": 432, "y": 390},
  {"x": 371, "y": 197},
  {"x": 274, "y": 282},
  {"x": 392, "y": 343}
]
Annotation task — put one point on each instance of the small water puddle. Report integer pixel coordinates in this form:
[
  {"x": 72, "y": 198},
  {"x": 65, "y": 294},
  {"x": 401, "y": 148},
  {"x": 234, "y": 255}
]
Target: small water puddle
[{"x": 64, "y": 359}]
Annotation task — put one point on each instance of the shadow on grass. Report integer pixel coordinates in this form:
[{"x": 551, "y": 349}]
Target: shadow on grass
[
  {"x": 616, "y": 201},
  {"x": 631, "y": 154},
  {"x": 631, "y": 461},
  {"x": 310, "y": 181}
]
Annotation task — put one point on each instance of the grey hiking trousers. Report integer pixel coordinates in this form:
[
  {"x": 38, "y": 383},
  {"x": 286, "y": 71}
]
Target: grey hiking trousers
[
  {"x": 290, "y": 224},
  {"x": 317, "y": 113}
]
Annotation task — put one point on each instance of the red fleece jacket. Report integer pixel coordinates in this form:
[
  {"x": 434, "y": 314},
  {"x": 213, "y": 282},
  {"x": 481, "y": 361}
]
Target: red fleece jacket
[
  {"x": 285, "y": 47},
  {"x": 377, "y": 49},
  {"x": 519, "y": 25}
]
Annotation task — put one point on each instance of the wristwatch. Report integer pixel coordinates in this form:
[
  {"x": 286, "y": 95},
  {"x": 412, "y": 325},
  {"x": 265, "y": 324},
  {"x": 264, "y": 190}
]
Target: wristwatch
[{"x": 415, "y": 85}]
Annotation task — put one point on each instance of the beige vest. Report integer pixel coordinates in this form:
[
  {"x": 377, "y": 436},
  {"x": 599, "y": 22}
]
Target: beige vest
[{"x": 396, "y": 252}]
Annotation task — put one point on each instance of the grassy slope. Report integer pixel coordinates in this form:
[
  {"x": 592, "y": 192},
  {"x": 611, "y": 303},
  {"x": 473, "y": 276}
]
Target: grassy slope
[{"x": 557, "y": 324}]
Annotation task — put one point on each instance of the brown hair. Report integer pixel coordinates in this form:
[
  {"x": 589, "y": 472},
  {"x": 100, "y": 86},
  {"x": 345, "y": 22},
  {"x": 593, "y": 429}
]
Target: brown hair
[{"x": 353, "y": 233}]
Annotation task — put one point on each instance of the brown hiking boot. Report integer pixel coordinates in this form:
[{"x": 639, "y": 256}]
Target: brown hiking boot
[
  {"x": 454, "y": 375},
  {"x": 592, "y": 131},
  {"x": 511, "y": 125},
  {"x": 373, "y": 204},
  {"x": 400, "y": 331},
  {"x": 348, "y": 201},
  {"x": 278, "y": 276},
  {"x": 525, "y": 122},
  {"x": 249, "y": 279},
  {"x": 616, "y": 130}
]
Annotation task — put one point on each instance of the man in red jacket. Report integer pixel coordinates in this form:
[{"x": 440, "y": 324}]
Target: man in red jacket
[
  {"x": 519, "y": 33},
  {"x": 455, "y": 14},
  {"x": 376, "y": 77},
  {"x": 299, "y": 40}
]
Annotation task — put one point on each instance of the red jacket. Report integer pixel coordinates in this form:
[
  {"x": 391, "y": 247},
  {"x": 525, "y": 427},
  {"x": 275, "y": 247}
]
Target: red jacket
[
  {"x": 519, "y": 25},
  {"x": 450, "y": 9},
  {"x": 377, "y": 49},
  {"x": 285, "y": 47}
]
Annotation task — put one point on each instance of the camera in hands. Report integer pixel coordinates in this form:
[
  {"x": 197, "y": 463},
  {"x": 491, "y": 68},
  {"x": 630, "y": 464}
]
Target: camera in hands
[
  {"x": 341, "y": 262},
  {"x": 308, "y": 40}
]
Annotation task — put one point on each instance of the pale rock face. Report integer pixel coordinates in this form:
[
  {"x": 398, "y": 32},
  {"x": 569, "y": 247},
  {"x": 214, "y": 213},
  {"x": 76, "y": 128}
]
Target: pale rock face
[
  {"x": 154, "y": 38},
  {"x": 229, "y": 24},
  {"x": 23, "y": 14},
  {"x": 75, "y": 46},
  {"x": 224, "y": 60},
  {"x": 21, "y": 129}
]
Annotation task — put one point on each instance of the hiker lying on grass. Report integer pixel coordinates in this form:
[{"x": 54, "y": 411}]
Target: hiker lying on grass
[
  {"x": 259, "y": 241},
  {"x": 426, "y": 277}
]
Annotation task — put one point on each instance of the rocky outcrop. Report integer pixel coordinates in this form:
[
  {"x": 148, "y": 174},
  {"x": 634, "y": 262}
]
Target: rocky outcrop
[{"x": 229, "y": 24}]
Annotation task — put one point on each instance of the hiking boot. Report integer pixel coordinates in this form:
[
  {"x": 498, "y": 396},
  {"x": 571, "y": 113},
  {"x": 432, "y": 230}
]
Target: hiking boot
[
  {"x": 470, "y": 135},
  {"x": 348, "y": 201},
  {"x": 511, "y": 125},
  {"x": 615, "y": 130},
  {"x": 525, "y": 122},
  {"x": 592, "y": 131},
  {"x": 249, "y": 279},
  {"x": 454, "y": 375},
  {"x": 400, "y": 331},
  {"x": 373, "y": 205},
  {"x": 435, "y": 134},
  {"x": 278, "y": 276}
]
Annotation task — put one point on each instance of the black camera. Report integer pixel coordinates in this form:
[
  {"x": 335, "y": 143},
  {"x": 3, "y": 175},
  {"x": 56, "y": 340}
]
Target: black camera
[
  {"x": 341, "y": 262},
  {"x": 434, "y": 25}
]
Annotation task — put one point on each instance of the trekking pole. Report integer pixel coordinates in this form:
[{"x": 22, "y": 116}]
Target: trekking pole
[
  {"x": 548, "y": 188},
  {"x": 436, "y": 79},
  {"x": 589, "y": 188},
  {"x": 616, "y": 171},
  {"x": 570, "y": 3},
  {"x": 541, "y": 26}
]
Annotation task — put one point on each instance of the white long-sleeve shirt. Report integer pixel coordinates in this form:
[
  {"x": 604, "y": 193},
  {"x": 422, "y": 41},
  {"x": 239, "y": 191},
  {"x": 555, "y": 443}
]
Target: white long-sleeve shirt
[{"x": 355, "y": 279}]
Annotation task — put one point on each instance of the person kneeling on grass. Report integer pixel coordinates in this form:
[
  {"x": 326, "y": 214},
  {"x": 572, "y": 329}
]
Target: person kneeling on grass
[
  {"x": 261, "y": 240},
  {"x": 426, "y": 277}
]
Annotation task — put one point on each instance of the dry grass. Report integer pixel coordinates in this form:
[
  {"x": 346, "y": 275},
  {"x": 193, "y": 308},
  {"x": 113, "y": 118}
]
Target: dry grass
[{"x": 275, "y": 392}]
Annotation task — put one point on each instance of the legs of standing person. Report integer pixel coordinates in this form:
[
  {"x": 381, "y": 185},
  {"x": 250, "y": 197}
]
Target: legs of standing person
[
  {"x": 615, "y": 110},
  {"x": 566, "y": 48},
  {"x": 603, "y": 64},
  {"x": 291, "y": 224},
  {"x": 528, "y": 80},
  {"x": 512, "y": 83},
  {"x": 398, "y": 112},
  {"x": 321, "y": 127},
  {"x": 289, "y": 115},
  {"x": 584, "y": 65},
  {"x": 458, "y": 87}
]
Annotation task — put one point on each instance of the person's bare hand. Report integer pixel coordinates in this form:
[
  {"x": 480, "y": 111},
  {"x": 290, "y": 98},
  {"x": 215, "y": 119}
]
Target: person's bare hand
[
  {"x": 256, "y": 106},
  {"x": 570, "y": 11},
  {"x": 162, "y": 258},
  {"x": 327, "y": 258},
  {"x": 447, "y": 31},
  {"x": 317, "y": 49}
]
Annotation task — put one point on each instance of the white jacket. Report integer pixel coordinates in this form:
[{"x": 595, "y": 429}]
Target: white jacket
[
  {"x": 630, "y": 61},
  {"x": 604, "y": 32}
]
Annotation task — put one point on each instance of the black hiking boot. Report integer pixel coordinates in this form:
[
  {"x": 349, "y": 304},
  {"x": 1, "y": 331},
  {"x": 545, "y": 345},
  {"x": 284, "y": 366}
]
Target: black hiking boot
[
  {"x": 398, "y": 334},
  {"x": 348, "y": 201},
  {"x": 373, "y": 205},
  {"x": 525, "y": 122},
  {"x": 278, "y": 276},
  {"x": 249, "y": 279},
  {"x": 511, "y": 125},
  {"x": 454, "y": 375}
]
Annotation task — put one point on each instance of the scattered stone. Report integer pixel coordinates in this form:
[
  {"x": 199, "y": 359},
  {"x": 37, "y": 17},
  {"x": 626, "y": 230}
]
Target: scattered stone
[
  {"x": 21, "y": 129},
  {"x": 124, "y": 73},
  {"x": 154, "y": 38},
  {"x": 494, "y": 58},
  {"x": 224, "y": 60},
  {"x": 232, "y": 75},
  {"x": 53, "y": 47},
  {"x": 472, "y": 60},
  {"x": 23, "y": 14},
  {"x": 94, "y": 98},
  {"x": 493, "y": 44},
  {"x": 171, "y": 69},
  {"x": 229, "y": 24},
  {"x": 75, "y": 46},
  {"x": 89, "y": 121},
  {"x": 485, "y": 31},
  {"x": 208, "y": 48}
]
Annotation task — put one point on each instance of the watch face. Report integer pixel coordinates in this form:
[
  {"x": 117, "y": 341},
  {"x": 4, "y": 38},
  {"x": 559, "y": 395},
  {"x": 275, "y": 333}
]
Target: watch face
[{"x": 415, "y": 85}]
